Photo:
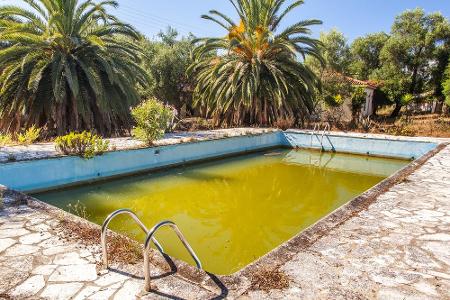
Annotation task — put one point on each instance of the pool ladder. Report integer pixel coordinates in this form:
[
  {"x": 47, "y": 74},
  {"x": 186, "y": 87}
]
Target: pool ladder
[
  {"x": 149, "y": 238},
  {"x": 315, "y": 132}
]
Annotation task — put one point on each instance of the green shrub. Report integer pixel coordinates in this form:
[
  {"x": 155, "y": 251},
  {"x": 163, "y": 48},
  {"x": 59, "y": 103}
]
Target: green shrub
[
  {"x": 446, "y": 85},
  {"x": 358, "y": 99},
  {"x": 83, "y": 144},
  {"x": 29, "y": 136},
  {"x": 5, "y": 139},
  {"x": 152, "y": 119}
]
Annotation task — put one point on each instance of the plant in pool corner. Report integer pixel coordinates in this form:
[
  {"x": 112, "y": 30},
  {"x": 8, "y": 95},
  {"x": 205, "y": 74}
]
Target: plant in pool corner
[
  {"x": 84, "y": 144},
  {"x": 152, "y": 118}
]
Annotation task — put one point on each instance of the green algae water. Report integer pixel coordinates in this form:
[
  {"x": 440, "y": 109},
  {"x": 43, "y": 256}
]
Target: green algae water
[{"x": 232, "y": 211}]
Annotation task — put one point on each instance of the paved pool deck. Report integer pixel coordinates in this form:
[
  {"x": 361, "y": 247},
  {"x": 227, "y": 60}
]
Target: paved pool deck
[{"x": 396, "y": 248}]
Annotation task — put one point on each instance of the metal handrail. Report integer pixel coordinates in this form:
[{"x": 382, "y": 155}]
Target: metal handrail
[
  {"x": 105, "y": 227},
  {"x": 147, "y": 285},
  {"x": 316, "y": 127},
  {"x": 326, "y": 128}
]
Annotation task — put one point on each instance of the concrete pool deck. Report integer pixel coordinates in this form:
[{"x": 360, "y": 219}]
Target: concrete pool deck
[{"x": 396, "y": 248}]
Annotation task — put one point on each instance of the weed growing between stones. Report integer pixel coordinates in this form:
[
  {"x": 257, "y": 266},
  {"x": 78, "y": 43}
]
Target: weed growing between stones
[
  {"x": 269, "y": 279},
  {"x": 120, "y": 248}
]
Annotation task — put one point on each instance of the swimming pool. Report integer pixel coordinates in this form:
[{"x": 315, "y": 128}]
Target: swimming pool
[
  {"x": 235, "y": 198},
  {"x": 232, "y": 211}
]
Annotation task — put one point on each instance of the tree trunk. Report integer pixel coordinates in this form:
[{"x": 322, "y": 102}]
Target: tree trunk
[{"x": 397, "y": 109}]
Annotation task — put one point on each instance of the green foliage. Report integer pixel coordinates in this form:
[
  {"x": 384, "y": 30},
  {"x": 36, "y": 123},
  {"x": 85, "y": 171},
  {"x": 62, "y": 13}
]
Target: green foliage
[
  {"x": 5, "y": 139},
  {"x": 253, "y": 75},
  {"x": 169, "y": 37},
  {"x": 446, "y": 85},
  {"x": 152, "y": 119},
  {"x": 337, "y": 58},
  {"x": 407, "y": 99},
  {"x": 29, "y": 136},
  {"x": 84, "y": 144},
  {"x": 68, "y": 65},
  {"x": 358, "y": 99},
  {"x": 335, "y": 51},
  {"x": 365, "y": 52},
  {"x": 408, "y": 57},
  {"x": 335, "y": 89},
  {"x": 166, "y": 63}
]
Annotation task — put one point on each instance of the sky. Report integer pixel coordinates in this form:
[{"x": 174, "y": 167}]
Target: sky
[{"x": 352, "y": 17}]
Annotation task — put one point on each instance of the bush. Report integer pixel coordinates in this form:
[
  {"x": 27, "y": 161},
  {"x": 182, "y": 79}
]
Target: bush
[
  {"x": 29, "y": 136},
  {"x": 358, "y": 99},
  {"x": 84, "y": 144},
  {"x": 5, "y": 139},
  {"x": 152, "y": 119}
]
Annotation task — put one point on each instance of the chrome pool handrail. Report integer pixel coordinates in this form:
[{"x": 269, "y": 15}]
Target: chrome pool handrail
[
  {"x": 326, "y": 129},
  {"x": 316, "y": 130},
  {"x": 105, "y": 227},
  {"x": 174, "y": 227},
  {"x": 312, "y": 133}
]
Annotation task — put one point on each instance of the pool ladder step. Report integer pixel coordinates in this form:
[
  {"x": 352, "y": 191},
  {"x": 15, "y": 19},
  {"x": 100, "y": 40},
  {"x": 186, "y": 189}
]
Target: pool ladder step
[
  {"x": 315, "y": 132},
  {"x": 149, "y": 238}
]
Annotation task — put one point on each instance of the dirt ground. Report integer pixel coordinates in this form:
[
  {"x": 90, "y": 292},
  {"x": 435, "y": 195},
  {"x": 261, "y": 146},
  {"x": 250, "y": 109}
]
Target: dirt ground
[{"x": 433, "y": 125}]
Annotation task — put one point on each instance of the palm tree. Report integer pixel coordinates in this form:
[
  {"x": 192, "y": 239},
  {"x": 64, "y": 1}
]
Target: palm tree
[
  {"x": 255, "y": 74},
  {"x": 67, "y": 65}
]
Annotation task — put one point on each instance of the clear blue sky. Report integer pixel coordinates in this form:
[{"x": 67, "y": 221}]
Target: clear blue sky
[{"x": 353, "y": 17}]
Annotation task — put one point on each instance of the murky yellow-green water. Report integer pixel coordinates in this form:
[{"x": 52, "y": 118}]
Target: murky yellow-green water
[{"x": 234, "y": 210}]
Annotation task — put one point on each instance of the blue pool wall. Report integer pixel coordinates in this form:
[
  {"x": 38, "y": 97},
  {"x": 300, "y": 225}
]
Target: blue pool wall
[
  {"x": 395, "y": 148},
  {"x": 46, "y": 174}
]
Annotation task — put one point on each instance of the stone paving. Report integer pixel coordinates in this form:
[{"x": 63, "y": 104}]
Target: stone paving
[
  {"x": 36, "y": 261},
  {"x": 397, "y": 248}
]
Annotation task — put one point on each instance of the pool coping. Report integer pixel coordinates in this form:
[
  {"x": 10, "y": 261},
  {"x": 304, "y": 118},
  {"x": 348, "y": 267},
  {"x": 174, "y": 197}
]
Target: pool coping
[
  {"x": 164, "y": 142},
  {"x": 239, "y": 282}
]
